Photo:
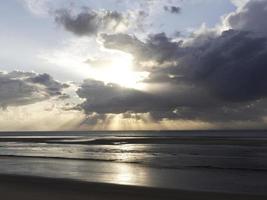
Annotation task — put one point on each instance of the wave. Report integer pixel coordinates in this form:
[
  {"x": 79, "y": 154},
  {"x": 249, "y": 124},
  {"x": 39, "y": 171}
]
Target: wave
[
  {"x": 138, "y": 140},
  {"x": 146, "y": 164},
  {"x": 69, "y": 158}
]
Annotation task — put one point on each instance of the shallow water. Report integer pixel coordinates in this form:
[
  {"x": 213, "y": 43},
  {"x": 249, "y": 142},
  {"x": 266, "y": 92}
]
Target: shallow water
[{"x": 211, "y": 161}]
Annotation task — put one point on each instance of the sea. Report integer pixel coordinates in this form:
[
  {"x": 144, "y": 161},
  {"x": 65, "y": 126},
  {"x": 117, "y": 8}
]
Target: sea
[{"x": 217, "y": 161}]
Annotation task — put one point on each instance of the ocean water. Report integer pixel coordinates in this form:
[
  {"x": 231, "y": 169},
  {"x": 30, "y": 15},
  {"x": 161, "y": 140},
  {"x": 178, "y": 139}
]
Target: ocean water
[{"x": 226, "y": 161}]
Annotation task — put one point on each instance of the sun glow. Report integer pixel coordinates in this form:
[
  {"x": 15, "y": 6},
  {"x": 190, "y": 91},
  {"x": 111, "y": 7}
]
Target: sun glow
[
  {"x": 109, "y": 66},
  {"x": 120, "y": 70}
]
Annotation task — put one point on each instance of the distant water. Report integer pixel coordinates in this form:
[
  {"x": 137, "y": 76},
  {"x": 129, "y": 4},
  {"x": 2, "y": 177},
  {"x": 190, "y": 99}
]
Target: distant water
[{"x": 199, "y": 160}]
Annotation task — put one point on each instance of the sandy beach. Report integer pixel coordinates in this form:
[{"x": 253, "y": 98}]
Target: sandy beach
[{"x": 32, "y": 188}]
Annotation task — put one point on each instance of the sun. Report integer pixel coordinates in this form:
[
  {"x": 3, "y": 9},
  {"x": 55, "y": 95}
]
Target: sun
[
  {"x": 109, "y": 66},
  {"x": 120, "y": 70}
]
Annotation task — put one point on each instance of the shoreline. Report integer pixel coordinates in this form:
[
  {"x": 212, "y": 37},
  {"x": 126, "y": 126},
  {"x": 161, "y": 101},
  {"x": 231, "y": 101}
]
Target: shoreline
[
  {"x": 32, "y": 187},
  {"x": 83, "y": 140}
]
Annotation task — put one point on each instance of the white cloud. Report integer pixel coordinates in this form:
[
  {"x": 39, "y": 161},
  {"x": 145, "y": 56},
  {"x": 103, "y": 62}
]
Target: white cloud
[
  {"x": 239, "y": 3},
  {"x": 38, "y": 7}
]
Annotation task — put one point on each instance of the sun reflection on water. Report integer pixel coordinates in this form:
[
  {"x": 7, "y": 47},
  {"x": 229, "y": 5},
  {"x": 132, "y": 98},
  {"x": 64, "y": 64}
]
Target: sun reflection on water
[{"x": 125, "y": 175}]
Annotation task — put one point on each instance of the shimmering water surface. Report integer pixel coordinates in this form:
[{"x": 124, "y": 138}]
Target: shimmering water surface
[{"x": 210, "y": 161}]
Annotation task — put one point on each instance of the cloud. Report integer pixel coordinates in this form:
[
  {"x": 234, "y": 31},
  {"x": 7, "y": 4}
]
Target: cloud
[
  {"x": 22, "y": 88},
  {"x": 32, "y": 101},
  {"x": 239, "y": 3},
  {"x": 111, "y": 98},
  {"x": 217, "y": 77},
  {"x": 181, "y": 103},
  {"x": 172, "y": 9},
  {"x": 38, "y": 7},
  {"x": 251, "y": 18},
  {"x": 230, "y": 66},
  {"x": 158, "y": 49},
  {"x": 89, "y": 22}
]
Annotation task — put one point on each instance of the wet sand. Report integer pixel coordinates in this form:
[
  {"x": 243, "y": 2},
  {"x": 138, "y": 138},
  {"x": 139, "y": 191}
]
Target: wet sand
[{"x": 33, "y": 188}]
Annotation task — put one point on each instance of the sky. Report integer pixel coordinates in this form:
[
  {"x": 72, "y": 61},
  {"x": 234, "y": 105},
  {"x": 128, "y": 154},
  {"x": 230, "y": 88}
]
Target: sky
[{"x": 133, "y": 65}]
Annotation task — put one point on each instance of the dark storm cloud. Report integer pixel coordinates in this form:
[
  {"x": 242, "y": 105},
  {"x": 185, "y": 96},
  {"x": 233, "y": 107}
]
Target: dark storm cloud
[
  {"x": 172, "y": 9},
  {"x": 111, "y": 98},
  {"x": 20, "y": 88},
  {"x": 189, "y": 103},
  {"x": 215, "y": 78},
  {"x": 252, "y": 18},
  {"x": 53, "y": 87},
  {"x": 231, "y": 66},
  {"x": 89, "y": 22},
  {"x": 157, "y": 48}
]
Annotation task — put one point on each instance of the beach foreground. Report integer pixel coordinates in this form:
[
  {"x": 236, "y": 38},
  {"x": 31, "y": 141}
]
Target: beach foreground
[{"x": 32, "y": 188}]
